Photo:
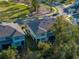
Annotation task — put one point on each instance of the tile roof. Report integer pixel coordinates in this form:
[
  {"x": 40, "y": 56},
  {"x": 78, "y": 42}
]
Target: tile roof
[
  {"x": 6, "y": 30},
  {"x": 41, "y": 26}
]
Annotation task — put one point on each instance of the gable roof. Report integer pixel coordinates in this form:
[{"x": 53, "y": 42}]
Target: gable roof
[
  {"x": 41, "y": 26},
  {"x": 10, "y": 29}
]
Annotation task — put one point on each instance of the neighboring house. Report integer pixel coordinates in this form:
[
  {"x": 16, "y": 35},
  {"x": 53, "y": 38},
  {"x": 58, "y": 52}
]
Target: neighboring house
[
  {"x": 73, "y": 10},
  {"x": 11, "y": 35},
  {"x": 40, "y": 29}
]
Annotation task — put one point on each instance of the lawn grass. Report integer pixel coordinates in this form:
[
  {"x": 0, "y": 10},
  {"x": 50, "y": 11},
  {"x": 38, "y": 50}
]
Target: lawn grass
[{"x": 10, "y": 10}]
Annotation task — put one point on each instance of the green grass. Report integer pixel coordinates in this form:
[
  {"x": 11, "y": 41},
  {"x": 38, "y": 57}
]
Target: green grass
[{"x": 10, "y": 10}]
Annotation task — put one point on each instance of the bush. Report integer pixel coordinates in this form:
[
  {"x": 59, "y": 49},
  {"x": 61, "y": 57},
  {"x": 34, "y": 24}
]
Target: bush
[{"x": 8, "y": 54}]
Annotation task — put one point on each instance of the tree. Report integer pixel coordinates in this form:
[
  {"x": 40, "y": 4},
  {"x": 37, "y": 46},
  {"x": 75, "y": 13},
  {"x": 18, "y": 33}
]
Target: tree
[
  {"x": 8, "y": 54},
  {"x": 34, "y": 5},
  {"x": 66, "y": 34}
]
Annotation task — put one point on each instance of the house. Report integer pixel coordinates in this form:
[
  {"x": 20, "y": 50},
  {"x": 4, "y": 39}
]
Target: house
[
  {"x": 40, "y": 29},
  {"x": 11, "y": 35},
  {"x": 73, "y": 10}
]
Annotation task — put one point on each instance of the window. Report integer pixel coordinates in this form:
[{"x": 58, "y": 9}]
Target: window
[
  {"x": 19, "y": 37},
  {"x": 22, "y": 42},
  {"x": 43, "y": 38}
]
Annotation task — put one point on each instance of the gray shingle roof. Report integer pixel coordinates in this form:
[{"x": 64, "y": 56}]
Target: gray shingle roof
[
  {"x": 6, "y": 30},
  {"x": 41, "y": 26}
]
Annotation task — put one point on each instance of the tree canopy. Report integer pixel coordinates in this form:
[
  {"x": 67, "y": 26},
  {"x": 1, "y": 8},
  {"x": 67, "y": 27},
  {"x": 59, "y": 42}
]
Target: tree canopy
[{"x": 66, "y": 34}]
